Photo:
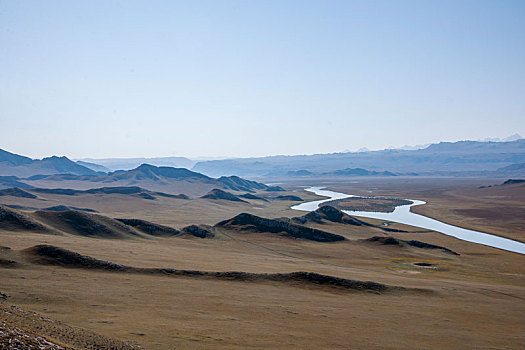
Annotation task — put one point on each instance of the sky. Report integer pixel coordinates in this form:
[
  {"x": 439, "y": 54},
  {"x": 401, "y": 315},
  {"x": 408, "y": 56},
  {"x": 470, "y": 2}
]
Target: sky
[{"x": 252, "y": 78}]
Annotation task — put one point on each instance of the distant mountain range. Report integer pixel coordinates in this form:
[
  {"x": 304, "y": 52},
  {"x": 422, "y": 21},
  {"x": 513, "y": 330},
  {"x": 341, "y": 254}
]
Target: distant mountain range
[
  {"x": 513, "y": 167},
  {"x": 113, "y": 164},
  {"x": 94, "y": 167},
  {"x": 472, "y": 158},
  {"x": 342, "y": 172},
  {"x": 514, "y": 137},
  {"x": 464, "y": 158},
  {"x": 15, "y": 165},
  {"x": 60, "y": 172}
]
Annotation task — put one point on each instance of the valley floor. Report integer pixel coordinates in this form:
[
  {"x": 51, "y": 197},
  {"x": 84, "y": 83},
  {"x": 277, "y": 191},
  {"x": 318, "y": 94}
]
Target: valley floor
[{"x": 472, "y": 300}]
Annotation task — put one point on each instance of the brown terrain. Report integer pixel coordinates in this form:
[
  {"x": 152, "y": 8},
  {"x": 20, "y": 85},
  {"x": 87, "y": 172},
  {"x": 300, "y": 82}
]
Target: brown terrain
[{"x": 83, "y": 279}]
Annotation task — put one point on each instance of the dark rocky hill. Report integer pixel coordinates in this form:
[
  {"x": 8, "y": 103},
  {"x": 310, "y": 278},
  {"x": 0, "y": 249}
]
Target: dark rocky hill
[
  {"x": 66, "y": 208},
  {"x": 331, "y": 214},
  {"x": 514, "y": 181},
  {"x": 62, "y": 220},
  {"x": 289, "y": 198},
  {"x": 399, "y": 242},
  {"x": 150, "y": 228},
  {"x": 13, "y": 220},
  {"x": 200, "y": 231},
  {"x": 251, "y": 196},
  {"x": 51, "y": 255},
  {"x": 85, "y": 224},
  {"x": 130, "y": 191},
  {"x": 220, "y": 194},
  {"x": 250, "y": 223},
  {"x": 16, "y": 192},
  {"x": 12, "y": 181},
  {"x": 238, "y": 184}
]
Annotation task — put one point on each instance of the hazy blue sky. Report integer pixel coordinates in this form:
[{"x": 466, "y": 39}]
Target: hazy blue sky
[{"x": 248, "y": 78}]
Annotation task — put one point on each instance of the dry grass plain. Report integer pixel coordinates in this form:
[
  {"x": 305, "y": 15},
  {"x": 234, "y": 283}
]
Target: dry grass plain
[{"x": 474, "y": 300}]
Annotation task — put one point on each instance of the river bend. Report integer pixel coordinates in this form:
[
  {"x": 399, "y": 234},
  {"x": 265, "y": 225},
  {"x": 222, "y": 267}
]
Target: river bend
[{"x": 403, "y": 215}]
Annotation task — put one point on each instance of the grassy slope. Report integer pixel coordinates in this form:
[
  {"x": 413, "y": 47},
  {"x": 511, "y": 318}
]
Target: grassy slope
[{"x": 477, "y": 297}]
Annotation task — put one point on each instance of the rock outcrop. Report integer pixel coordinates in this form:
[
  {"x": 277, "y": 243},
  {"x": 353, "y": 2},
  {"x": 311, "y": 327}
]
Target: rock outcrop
[
  {"x": 150, "y": 228},
  {"x": 200, "y": 231},
  {"x": 251, "y": 223},
  {"x": 289, "y": 198},
  {"x": 13, "y": 220},
  {"x": 413, "y": 243},
  {"x": 329, "y": 213},
  {"x": 218, "y": 194},
  {"x": 51, "y": 255}
]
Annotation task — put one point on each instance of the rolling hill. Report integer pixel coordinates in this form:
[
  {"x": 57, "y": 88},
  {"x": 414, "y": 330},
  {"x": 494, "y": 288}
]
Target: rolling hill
[{"x": 80, "y": 223}]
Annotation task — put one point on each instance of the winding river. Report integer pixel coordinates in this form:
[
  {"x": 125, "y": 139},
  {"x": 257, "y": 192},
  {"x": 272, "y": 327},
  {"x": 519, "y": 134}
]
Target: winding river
[{"x": 403, "y": 215}]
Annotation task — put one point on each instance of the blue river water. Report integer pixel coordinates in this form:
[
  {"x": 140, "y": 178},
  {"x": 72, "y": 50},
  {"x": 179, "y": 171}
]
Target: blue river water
[{"x": 403, "y": 215}]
